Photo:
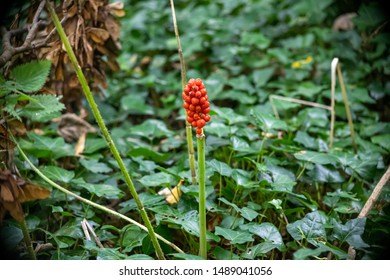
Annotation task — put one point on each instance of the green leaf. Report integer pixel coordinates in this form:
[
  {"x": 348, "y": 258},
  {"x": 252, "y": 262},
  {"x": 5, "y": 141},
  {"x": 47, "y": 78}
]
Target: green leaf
[
  {"x": 58, "y": 174},
  {"x": 256, "y": 39},
  {"x": 94, "y": 166},
  {"x": 31, "y": 77},
  {"x": 245, "y": 212},
  {"x": 135, "y": 104},
  {"x": 42, "y": 108},
  {"x": 42, "y": 146},
  {"x": 268, "y": 232},
  {"x": 220, "y": 167},
  {"x": 157, "y": 180},
  {"x": 102, "y": 190},
  {"x": 183, "y": 256},
  {"x": 147, "y": 199},
  {"x": 93, "y": 145},
  {"x": 132, "y": 237},
  {"x": 351, "y": 232},
  {"x": 305, "y": 139},
  {"x": 268, "y": 122},
  {"x": 235, "y": 237},
  {"x": 262, "y": 76},
  {"x": 311, "y": 228},
  {"x": 382, "y": 140},
  {"x": 151, "y": 129},
  {"x": 316, "y": 157},
  {"x": 325, "y": 175}
]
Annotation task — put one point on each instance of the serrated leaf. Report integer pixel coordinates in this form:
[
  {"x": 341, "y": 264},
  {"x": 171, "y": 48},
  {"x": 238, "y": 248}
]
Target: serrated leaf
[
  {"x": 40, "y": 106},
  {"x": 58, "y": 174},
  {"x": 234, "y": 236},
  {"x": 31, "y": 77}
]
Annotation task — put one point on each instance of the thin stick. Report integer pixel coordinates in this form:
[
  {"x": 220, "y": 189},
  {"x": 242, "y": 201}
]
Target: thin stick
[
  {"x": 202, "y": 196},
  {"x": 347, "y": 107},
  {"x": 190, "y": 143},
  {"x": 370, "y": 203},
  {"x": 294, "y": 100},
  {"x": 89, "y": 202},
  {"x": 104, "y": 130},
  {"x": 332, "y": 101}
]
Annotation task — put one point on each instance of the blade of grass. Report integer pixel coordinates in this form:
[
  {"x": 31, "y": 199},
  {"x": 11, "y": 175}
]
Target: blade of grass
[
  {"x": 104, "y": 130},
  {"x": 190, "y": 143}
]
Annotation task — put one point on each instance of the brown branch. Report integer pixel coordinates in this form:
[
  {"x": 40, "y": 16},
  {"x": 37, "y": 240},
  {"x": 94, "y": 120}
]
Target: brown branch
[
  {"x": 370, "y": 203},
  {"x": 33, "y": 28}
]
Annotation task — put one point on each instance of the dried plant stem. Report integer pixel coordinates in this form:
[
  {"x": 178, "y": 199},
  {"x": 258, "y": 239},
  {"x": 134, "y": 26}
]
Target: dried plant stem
[
  {"x": 370, "y": 203},
  {"x": 347, "y": 109},
  {"x": 104, "y": 130},
  {"x": 190, "y": 143},
  {"x": 27, "y": 239},
  {"x": 89, "y": 202},
  {"x": 294, "y": 100},
  {"x": 202, "y": 196},
  {"x": 332, "y": 101}
]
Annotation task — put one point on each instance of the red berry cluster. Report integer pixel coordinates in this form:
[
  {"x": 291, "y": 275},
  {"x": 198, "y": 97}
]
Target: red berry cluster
[{"x": 196, "y": 104}]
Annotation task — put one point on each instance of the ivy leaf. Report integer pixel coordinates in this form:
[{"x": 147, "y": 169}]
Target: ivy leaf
[
  {"x": 94, "y": 166},
  {"x": 220, "y": 167},
  {"x": 316, "y": 157},
  {"x": 351, "y": 232},
  {"x": 58, "y": 174},
  {"x": 31, "y": 77},
  {"x": 234, "y": 236},
  {"x": 132, "y": 237},
  {"x": 311, "y": 227},
  {"x": 326, "y": 175},
  {"x": 268, "y": 232},
  {"x": 157, "y": 180},
  {"x": 102, "y": 190},
  {"x": 267, "y": 122}
]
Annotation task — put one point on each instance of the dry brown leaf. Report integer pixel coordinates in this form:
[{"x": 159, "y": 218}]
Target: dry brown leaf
[
  {"x": 344, "y": 22},
  {"x": 14, "y": 191},
  {"x": 80, "y": 146}
]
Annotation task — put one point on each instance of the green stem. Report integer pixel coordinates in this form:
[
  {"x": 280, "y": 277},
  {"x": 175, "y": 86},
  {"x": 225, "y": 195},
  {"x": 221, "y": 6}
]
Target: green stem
[
  {"x": 104, "y": 130},
  {"x": 27, "y": 239},
  {"x": 202, "y": 196},
  {"x": 190, "y": 144},
  {"x": 88, "y": 202}
]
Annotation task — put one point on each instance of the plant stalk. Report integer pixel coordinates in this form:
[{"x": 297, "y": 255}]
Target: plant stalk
[
  {"x": 202, "y": 196},
  {"x": 104, "y": 130},
  {"x": 347, "y": 108},
  {"x": 332, "y": 102},
  {"x": 89, "y": 202},
  {"x": 27, "y": 239},
  {"x": 190, "y": 143}
]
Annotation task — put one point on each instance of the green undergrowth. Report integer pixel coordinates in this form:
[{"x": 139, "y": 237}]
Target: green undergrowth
[{"x": 275, "y": 189}]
